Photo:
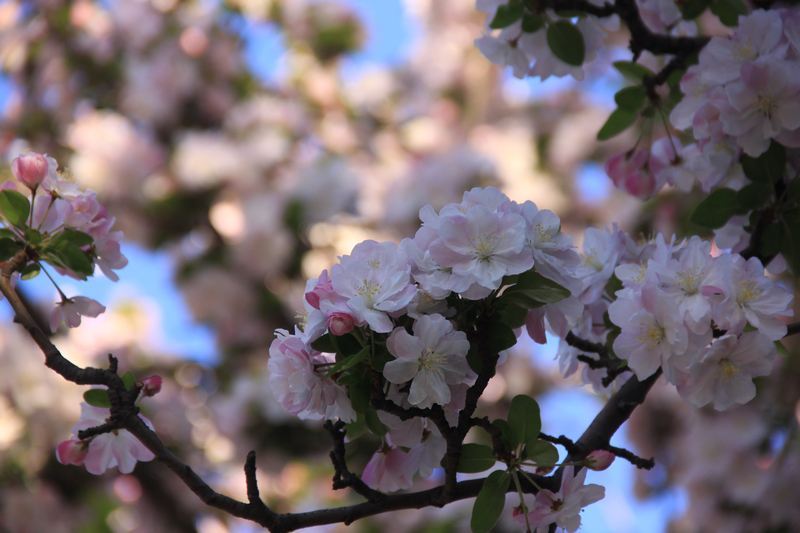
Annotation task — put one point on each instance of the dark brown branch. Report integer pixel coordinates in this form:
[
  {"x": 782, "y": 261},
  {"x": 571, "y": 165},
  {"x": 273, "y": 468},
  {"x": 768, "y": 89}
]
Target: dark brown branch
[
  {"x": 792, "y": 329},
  {"x": 764, "y": 218},
  {"x": 342, "y": 477},
  {"x": 643, "y": 39},
  {"x": 562, "y": 441},
  {"x": 631, "y": 457}
]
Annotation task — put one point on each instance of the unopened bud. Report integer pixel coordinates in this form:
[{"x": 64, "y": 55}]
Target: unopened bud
[
  {"x": 599, "y": 460},
  {"x": 29, "y": 169},
  {"x": 340, "y": 323},
  {"x": 152, "y": 386},
  {"x": 72, "y": 452}
]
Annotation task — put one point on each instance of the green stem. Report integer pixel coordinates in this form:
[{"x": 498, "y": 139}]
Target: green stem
[
  {"x": 541, "y": 491},
  {"x": 521, "y": 499},
  {"x": 63, "y": 296}
]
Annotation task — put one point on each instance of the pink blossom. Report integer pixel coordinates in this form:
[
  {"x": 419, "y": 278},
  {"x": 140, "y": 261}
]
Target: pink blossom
[
  {"x": 152, "y": 386},
  {"x": 82, "y": 210},
  {"x": 599, "y": 460},
  {"x": 724, "y": 372},
  {"x": 629, "y": 173},
  {"x": 320, "y": 289},
  {"x": 298, "y": 386},
  {"x": 72, "y": 452},
  {"x": 117, "y": 448},
  {"x": 563, "y": 507},
  {"x": 29, "y": 169},
  {"x": 391, "y": 468},
  {"x": 340, "y": 323},
  {"x": 70, "y": 310}
]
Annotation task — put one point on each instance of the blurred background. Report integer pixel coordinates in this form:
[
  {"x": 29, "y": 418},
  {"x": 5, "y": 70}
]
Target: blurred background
[{"x": 242, "y": 146}]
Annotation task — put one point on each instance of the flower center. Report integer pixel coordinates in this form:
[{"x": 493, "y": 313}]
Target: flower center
[
  {"x": 747, "y": 292},
  {"x": 729, "y": 370},
  {"x": 431, "y": 361},
  {"x": 483, "y": 246},
  {"x": 652, "y": 334},
  {"x": 744, "y": 51},
  {"x": 369, "y": 291},
  {"x": 689, "y": 280},
  {"x": 765, "y": 104}
]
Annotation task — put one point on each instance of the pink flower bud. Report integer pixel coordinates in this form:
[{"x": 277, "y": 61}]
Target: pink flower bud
[
  {"x": 340, "y": 323},
  {"x": 152, "y": 386},
  {"x": 599, "y": 460},
  {"x": 29, "y": 169},
  {"x": 72, "y": 452}
]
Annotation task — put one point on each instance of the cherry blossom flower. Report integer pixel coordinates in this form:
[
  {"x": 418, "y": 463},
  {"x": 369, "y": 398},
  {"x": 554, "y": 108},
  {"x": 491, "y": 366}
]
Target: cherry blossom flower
[
  {"x": 375, "y": 279},
  {"x": 752, "y": 297},
  {"x": 433, "y": 358},
  {"x": 30, "y": 169},
  {"x": 152, "y": 386},
  {"x": 297, "y": 385},
  {"x": 116, "y": 448},
  {"x": 599, "y": 460},
  {"x": 503, "y": 50},
  {"x": 724, "y": 372},
  {"x": 390, "y": 468},
  {"x": 70, "y": 310},
  {"x": 563, "y": 507}
]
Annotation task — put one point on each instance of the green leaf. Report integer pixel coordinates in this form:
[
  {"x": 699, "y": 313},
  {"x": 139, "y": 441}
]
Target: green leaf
[
  {"x": 33, "y": 236},
  {"x": 717, "y": 208},
  {"x": 781, "y": 349},
  {"x": 691, "y": 9},
  {"x": 490, "y": 502},
  {"x": 501, "y": 336},
  {"x": 9, "y": 248},
  {"x": 357, "y": 428},
  {"x": 374, "y": 423},
  {"x": 507, "y": 15},
  {"x": 474, "y": 458},
  {"x": 346, "y": 345},
  {"x": 324, "y": 344},
  {"x": 633, "y": 72},
  {"x": 533, "y": 286},
  {"x": 728, "y": 11},
  {"x": 771, "y": 239},
  {"x": 78, "y": 238},
  {"x": 524, "y": 419},
  {"x": 505, "y": 430},
  {"x": 514, "y": 310},
  {"x": 128, "y": 379},
  {"x": 566, "y": 42},
  {"x": 360, "y": 393},
  {"x": 348, "y": 362},
  {"x": 97, "y": 397},
  {"x": 474, "y": 358},
  {"x": 630, "y": 98},
  {"x": 768, "y": 167},
  {"x": 619, "y": 121},
  {"x": 73, "y": 258},
  {"x": 541, "y": 452},
  {"x": 531, "y": 22},
  {"x": 793, "y": 191},
  {"x": 753, "y": 195},
  {"x": 6, "y": 233},
  {"x": 15, "y": 207},
  {"x": 30, "y": 271}
]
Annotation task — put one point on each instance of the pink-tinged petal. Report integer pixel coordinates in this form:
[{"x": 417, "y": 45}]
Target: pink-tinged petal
[
  {"x": 72, "y": 452},
  {"x": 30, "y": 169},
  {"x": 400, "y": 370}
]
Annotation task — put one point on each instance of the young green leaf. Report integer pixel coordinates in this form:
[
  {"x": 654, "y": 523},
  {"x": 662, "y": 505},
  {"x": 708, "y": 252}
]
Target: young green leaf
[
  {"x": 9, "y": 248},
  {"x": 566, "y": 42},
  {"x": 541, "y": 452},
  {"x": 717, "y": 208},
  {"x": 691, "y": 9},
  {"x": 507, "y": 15},
  {"x": 633, "y": 72},
  {"x": 73, "y": 258},
  {"x": 753, "y": 195},
  {"x": 15, "y": 207},
  {"x": 728, "y": 11},
  {"x": 128, "y": 379},
  {"x": 474, "y": 458},
  {"x": 524, "y": 419},
  {"x": 97, "y": 397},
  {"x": 33, "y": 236},
  {"x": 532, "y": 22},
  {"x": 490, "y": 502},
  {"x": 619, "y": 121},
  {"x": 374, "y": 423},
  {"x": 537, "y": 288},
  {"x": 501, "y": 336},
  {"x": 630, "y": 98},
  {"x": 768, "y": 167},
  {"x": 30, "y": 271},
  {"x": 78, "y": 238}
]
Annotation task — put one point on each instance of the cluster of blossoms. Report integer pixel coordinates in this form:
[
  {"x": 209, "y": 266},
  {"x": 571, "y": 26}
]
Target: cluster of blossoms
[
  {"x": 61, "y": 225},
  {"x": 400, "y": 305},
  {"x": 524, "y": 45},
  {"x": 116, "y": 448},
  {"x": 743, "y": 94}
]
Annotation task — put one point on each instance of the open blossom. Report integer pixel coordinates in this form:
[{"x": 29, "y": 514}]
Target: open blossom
[
  {"x": 375, "y": 279},
  {"x": 432, "y": 359},
  {"x": 503, "y": 50},
  {"x": 752, "y": 297},
  {"x": 117, "y": 448},
  {"x": 391, "y": 468},
  {"x": 70, "y": 310},
  {"x": 630, "y": 173},
  {"x": 562, "y": 508},
  {"x": 724, "y": 372},
  {"x": 297, "y": 385}
]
